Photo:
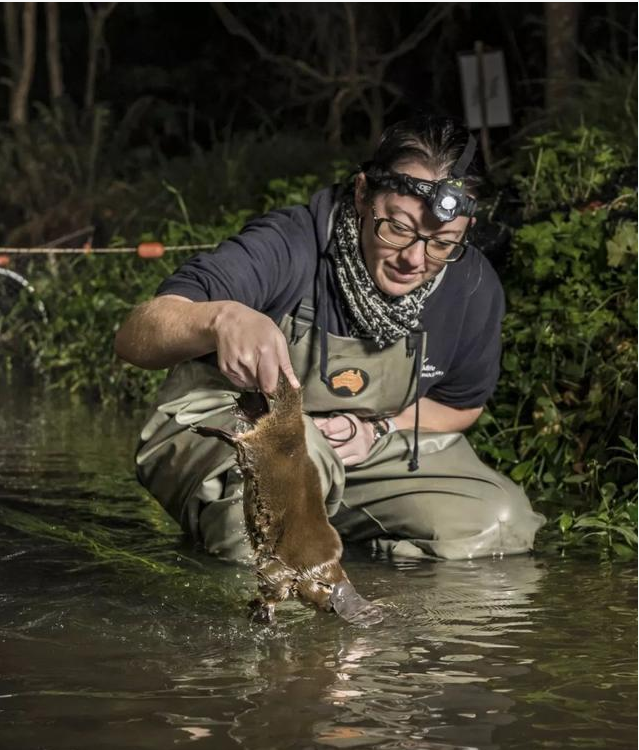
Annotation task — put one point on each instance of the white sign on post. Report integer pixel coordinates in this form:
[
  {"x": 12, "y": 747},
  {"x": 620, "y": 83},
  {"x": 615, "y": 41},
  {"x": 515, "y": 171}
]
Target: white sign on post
[{"x": 495, "y": 89}]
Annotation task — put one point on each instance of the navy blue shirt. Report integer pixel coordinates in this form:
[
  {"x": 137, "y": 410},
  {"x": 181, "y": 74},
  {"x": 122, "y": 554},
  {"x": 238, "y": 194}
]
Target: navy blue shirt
[{"x": 271, "y": 265}]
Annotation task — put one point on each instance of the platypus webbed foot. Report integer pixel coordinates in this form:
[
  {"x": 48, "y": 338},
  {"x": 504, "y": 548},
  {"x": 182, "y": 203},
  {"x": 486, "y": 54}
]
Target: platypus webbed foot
[
  {"x": 353, "y": 607},
  {"x": 261, "y": 612}
]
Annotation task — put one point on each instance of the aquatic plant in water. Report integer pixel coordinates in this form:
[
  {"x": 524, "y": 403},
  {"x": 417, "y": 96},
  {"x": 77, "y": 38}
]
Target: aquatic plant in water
[{"x": 149, "y": 562}]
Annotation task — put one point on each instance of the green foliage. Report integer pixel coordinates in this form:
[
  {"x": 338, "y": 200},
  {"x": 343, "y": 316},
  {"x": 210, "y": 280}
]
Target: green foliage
[
  {"x": 567, "y": 170},
  {"x": 88, "y": 296},
  {"x": 86, "y": 300},
  {"x": 564, "y": 418},
  {"x": 607, "y": 101},
  {"x": 298, "y": 190}
]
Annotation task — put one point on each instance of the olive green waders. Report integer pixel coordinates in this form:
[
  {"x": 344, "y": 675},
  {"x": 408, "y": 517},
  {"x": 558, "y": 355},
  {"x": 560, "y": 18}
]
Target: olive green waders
[{"x": 452, "y": 506}]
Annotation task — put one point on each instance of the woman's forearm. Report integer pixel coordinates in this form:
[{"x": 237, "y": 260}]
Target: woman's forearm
[
  {"x": 167, "y": 330},
  {"x": 435, "y": 417}
]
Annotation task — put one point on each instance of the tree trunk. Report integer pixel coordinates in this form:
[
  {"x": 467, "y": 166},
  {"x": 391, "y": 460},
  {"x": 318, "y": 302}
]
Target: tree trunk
[
  {"x": 12, "y": 38},
  {"x": 96, "y": 20},
  {"x": 54, "y": 61},
  {"x": 19, "y": 102},
  {"x": 376, "y": 118},
  {"x": 562, "y": 64},
  {"x": 335, "y": 114}
]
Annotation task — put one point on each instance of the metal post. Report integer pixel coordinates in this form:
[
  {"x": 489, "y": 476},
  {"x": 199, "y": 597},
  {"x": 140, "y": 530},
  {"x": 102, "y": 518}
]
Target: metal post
[{"x": 481, "y": 85}]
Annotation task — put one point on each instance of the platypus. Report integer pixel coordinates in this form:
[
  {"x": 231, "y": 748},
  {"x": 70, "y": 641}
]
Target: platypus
[{"x": 297, "y": 551}]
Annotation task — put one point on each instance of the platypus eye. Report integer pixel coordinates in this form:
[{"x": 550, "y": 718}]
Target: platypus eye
[{"x": 326, "y": 587}]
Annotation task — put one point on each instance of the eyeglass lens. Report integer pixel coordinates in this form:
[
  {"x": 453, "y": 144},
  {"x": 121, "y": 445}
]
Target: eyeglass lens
[{"x": 401, "y": 236}]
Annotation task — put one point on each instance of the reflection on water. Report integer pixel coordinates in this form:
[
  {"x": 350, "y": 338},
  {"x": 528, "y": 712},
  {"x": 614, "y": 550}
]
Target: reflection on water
[{"x": 115, "y": 633}]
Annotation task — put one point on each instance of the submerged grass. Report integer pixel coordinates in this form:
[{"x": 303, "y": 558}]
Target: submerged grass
[{"x": 153, "y": 565}]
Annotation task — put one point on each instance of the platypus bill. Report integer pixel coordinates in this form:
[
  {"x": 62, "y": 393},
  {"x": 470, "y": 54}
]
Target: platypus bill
[{"x": 297, "y": 551}]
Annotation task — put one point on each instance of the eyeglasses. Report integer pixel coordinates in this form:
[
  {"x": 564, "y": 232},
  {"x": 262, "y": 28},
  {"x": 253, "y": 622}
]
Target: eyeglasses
[{"x": 399, "y": 235}]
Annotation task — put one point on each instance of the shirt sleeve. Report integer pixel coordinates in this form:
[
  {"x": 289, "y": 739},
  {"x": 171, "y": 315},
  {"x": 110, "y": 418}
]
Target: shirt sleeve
[
  {"x": 474, "y": 370},
  {"x": 265, "y": 267}
]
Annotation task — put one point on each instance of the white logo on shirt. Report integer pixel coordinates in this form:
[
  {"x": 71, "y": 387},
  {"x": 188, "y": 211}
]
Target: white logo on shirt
[{"x": 430, "y": 371}]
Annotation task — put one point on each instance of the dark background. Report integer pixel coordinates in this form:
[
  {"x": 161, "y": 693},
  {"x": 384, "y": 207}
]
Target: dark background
[
  {"x": 204, "y": 79},
  {"x": 105, "y": 104}
]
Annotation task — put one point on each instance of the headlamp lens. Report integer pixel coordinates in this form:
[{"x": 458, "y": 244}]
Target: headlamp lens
[{"x": 448, "y": 202}]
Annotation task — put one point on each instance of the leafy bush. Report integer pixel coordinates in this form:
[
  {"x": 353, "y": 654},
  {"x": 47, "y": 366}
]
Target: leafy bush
[
  {"x": 563, "y": 421},
  {"x": 567, "y": 171},
  {"x": 88, "y": 297}
]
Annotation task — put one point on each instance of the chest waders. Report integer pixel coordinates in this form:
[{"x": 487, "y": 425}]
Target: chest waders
[{"x": 452, "y": 506}]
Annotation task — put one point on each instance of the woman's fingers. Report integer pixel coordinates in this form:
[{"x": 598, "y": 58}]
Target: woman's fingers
[
  {"x": 348, "y": 455},
  {"x": 268, "y": 371},
  {"x": 350, "y": 438},
  {"x": 340, "y": 437},
  {"x": 284, "y": 361},
  {"x": 239, "y": 374},
  {"x": 252, "y": 351},
  {"x": 352, "y": 460},
  {"x": 340, "y": 427}
]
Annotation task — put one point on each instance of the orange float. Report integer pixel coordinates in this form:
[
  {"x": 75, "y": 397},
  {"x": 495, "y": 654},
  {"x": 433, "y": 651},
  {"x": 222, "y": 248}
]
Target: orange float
[{"x": 150, "y": 250}]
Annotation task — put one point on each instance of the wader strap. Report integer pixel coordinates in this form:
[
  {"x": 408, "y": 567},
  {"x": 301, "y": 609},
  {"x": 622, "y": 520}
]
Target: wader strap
[{"x": 303, "y": 318}]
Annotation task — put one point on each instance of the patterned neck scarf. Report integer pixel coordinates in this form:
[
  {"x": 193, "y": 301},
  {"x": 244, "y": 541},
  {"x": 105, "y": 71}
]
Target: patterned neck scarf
[{"x": 372, "y": 314}]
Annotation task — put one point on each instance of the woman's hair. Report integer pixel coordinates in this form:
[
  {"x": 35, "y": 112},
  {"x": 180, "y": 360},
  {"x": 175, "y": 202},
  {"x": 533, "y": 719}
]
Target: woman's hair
[{"x": 432, "y": 141}]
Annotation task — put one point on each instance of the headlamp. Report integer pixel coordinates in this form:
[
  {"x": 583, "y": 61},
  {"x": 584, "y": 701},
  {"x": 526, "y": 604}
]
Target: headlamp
[{"x": 445, "y": 198}]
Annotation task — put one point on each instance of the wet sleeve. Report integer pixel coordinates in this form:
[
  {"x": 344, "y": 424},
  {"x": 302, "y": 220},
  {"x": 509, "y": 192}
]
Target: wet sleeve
[
  {"x": 474, "y": 371},
  {"x": 265, "y": 267}
]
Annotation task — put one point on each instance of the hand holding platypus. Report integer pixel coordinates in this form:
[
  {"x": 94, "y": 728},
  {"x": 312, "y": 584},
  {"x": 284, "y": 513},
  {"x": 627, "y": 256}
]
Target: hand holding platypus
[{"x": 297, "y": 551}]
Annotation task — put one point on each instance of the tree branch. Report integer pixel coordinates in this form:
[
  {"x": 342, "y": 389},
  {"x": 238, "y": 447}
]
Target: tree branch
[
  {"x": 237, "y": 28},
  {"x": 352, "y": 38},
  {"x": 96, "y": 19},
  {"x": 412, "y": 40},
  {"x": 54, "y": 63}
]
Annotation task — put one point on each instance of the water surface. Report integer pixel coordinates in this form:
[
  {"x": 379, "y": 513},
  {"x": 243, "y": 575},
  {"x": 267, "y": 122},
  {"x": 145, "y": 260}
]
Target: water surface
[{"x": 116, "y": 633}]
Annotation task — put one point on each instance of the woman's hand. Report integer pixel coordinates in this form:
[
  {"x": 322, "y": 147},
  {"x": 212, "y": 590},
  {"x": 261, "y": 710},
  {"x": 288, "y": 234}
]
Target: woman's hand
[
  {"x": 350, "y": 437},
  {"x": 251, "y": 349},
  {"x": 171, "y": 329}
]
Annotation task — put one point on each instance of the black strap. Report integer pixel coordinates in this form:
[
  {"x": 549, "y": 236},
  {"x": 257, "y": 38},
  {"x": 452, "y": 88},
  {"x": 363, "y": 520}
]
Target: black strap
[
  {"x": 413, "y": 464},
  {"x": 303, "y": 318},
  {"x": 462, "y": 164}
]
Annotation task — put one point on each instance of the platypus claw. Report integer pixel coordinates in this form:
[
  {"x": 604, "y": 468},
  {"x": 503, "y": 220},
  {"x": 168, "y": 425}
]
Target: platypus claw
[
  {"x": 353, "y": 607},
  {"x": 261, "y": 612}
]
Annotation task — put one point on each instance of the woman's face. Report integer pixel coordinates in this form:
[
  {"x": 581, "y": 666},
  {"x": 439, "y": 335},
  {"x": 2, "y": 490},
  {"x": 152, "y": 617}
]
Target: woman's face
[{"x": 397, "y": 272}]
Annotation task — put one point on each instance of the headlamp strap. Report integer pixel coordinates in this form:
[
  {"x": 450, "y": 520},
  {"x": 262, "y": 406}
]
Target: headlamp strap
[
  {"x": 462, "y": 164},
  {"x": 400, "y": 183}
]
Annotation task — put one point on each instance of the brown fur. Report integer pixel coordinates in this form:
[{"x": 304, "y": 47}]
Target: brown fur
[{"x": 297, "y": 550}]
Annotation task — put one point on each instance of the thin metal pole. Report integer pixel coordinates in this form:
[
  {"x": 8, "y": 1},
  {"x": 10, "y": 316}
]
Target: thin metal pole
[{"x": 483, "y": 113}]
